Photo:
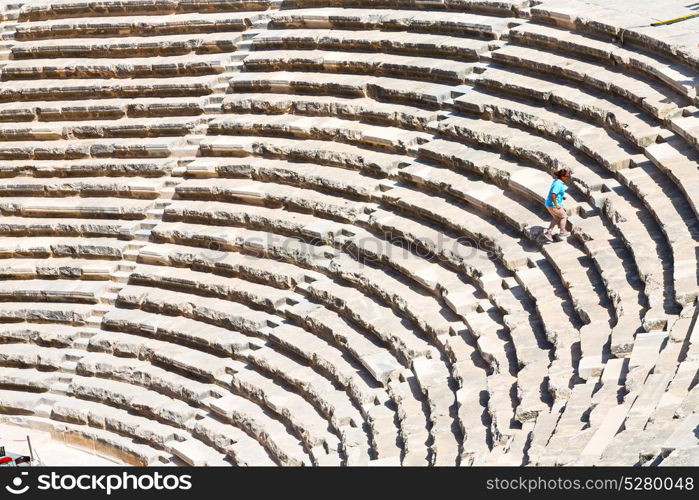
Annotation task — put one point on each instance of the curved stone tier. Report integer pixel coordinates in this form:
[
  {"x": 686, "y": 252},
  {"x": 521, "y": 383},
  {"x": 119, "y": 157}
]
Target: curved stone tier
[{"x": 307, "y": 232}]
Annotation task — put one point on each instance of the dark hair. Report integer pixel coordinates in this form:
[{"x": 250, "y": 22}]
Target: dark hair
[{"x": 561, "y": 173}]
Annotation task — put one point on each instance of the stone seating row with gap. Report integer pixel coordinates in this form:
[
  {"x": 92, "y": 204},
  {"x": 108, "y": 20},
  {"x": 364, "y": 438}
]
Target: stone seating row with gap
[
  {"x": 501, "y": 7},
  {"x": 643, "y": 180},
  {"x": 283, "y": 172},
  {"x": 391, "y": 139},
  {"x": 317, "y": 319},
  {"x": 308, "y": 150}
]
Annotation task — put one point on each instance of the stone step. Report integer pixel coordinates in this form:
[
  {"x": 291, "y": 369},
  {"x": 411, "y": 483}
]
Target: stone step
[
  {"x": 57, "y": 268},
  {"x": 53, "y": 291},
  {"x": 143, "y": 67},
  {"x": 68, "y": 8},
  {"x": 60, "y": 89},
  {"x": 166, "y": 45},
  {"x": 249, "y": 323},
  {"x": 350, "y": 85},
  {"x": 134, "y": 26},
  {"x": 643, "y": 94},
  {"x": 84, "y": 186},
  {"x": 593, "y": 141},
  {"x": 137, "y": 127},
  {"x": 342, "y": 181},
  {"x": 374, "y": 41},
  {"x": 114, "y": 167},
  {"x": 453, "y": 216},
  {"x": 409, "y": 20},
  {"x": 687, "y": 127},
  {"x": 334, "y": 411},
  {"x": 595, "y": 105},
  {"x": 379, "y": 64},
  {"x": 413, "y": 424},
  {"x": 676, "y": 76}
]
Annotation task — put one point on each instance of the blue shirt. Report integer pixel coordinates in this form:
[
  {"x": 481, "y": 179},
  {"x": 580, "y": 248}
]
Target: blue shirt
[{"x": 558, "y": 187}]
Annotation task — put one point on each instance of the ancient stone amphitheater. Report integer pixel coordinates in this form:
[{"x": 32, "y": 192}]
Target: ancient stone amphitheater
[{"x": 258, "y": 232}]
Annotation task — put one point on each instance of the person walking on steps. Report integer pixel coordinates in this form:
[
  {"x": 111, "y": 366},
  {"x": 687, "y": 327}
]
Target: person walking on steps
[{"x": 554, "y": 205}]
